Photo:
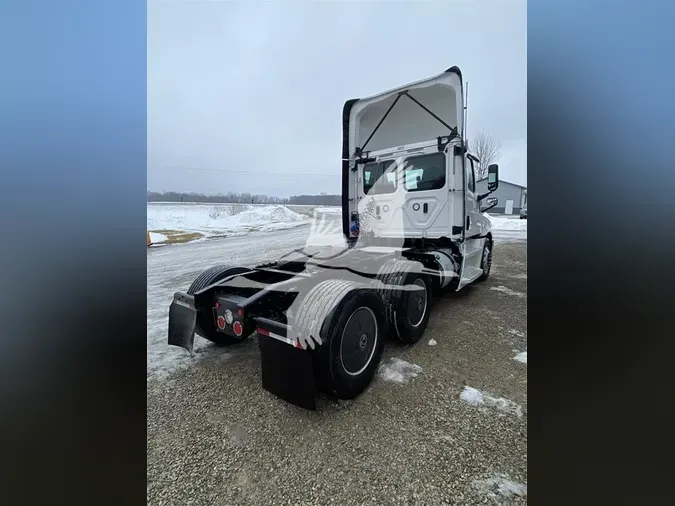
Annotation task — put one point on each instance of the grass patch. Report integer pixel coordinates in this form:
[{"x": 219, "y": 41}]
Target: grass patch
[{"x": 178, "y": 236}]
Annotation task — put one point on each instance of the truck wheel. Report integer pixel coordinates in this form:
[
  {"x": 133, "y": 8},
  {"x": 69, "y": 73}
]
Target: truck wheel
[
  {"x": 349, "y": 318},
  {"x": 486, "y": 260},
  {"x": 206, "y": 327},
  {"x": 406, "y": 307}
]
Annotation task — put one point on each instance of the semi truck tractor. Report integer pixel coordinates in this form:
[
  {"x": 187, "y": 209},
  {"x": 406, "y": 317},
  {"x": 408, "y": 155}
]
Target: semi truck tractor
[{"x": 413, "y": 226}]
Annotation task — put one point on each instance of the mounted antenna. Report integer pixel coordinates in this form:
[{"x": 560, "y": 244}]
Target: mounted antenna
[{"x": 466, "y": 105}]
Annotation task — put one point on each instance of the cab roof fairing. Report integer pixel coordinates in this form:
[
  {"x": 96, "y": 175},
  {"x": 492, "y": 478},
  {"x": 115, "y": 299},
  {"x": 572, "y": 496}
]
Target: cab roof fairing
[
  {"x": 354, "y": 110},
  {"x": 407, "y": 122}
]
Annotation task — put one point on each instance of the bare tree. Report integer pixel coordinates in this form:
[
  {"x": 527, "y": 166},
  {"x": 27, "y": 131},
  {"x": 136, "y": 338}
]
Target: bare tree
[{"x": 487, "y": 149}]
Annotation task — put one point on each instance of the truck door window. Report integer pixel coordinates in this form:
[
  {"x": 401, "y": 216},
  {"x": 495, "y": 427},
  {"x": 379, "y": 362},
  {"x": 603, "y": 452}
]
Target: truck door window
[
  {"x": 379, "y": 178},
  {"x": 470, "y": 176},
  {"x": 425, "y": 172}
]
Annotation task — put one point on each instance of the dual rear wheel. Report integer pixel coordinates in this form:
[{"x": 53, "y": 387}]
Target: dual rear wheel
[
  {"x": 348, "y": 318},
  {"x": 351, "y": 320},
  {"x": 406, "y": 292}
]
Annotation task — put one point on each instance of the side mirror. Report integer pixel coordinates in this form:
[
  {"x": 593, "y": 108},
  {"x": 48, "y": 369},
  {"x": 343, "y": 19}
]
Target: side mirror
[
  {"x": 493, "y": 177},
  {"x": 489, "y": 204}
]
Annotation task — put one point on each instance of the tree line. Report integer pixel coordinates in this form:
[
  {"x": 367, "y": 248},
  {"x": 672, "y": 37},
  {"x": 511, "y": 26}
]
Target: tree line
[{"x": 323, "y": 199}]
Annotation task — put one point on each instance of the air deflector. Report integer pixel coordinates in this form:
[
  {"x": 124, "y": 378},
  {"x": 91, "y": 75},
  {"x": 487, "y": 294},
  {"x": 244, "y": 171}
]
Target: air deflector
[{"x": 413, "y": 113}]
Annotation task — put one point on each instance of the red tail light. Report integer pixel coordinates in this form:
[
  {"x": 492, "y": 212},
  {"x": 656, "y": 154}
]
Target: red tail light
[{"x": 238, "y": 328}]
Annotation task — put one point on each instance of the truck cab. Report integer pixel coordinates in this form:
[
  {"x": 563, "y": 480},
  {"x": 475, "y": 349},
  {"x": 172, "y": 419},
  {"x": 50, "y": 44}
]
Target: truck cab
[
  {"x": 409, "y": 193},
  {"x": 413, "y": 226},
  {"x": 408, "y": 178}
]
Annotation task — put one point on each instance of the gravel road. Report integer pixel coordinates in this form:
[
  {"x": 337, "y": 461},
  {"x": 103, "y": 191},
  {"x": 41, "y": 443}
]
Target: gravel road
[{"x": 216, "y": 437}]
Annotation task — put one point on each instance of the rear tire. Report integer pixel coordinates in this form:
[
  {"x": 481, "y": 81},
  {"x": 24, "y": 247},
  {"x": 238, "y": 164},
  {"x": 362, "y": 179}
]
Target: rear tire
[
  {"x": 349, "y": 318},
  {"x": 206, "y": 326},
  {"x": 407, "y": 309}
]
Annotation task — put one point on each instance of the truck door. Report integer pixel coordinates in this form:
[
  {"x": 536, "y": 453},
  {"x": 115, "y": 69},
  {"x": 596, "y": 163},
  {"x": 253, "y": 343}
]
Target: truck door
[
  {"x": 472, "y": 204},
  {"x": 473, "y": 244},
  {"x": 378, "y": 195},
  {"x": 426, "y": 205}
]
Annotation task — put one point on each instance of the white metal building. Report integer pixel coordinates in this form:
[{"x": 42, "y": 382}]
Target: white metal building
[{"x": 512, "y": 197}]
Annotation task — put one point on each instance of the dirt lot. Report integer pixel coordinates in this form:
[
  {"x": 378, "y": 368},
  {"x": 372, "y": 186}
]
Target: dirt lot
[{"x": 216, "y": 437}]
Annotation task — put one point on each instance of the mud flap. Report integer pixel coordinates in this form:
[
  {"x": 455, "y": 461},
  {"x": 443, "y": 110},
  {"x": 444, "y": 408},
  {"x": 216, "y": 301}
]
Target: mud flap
[
  {"x": 287, "y": 372},
  {"x": 182, "y": 321}
]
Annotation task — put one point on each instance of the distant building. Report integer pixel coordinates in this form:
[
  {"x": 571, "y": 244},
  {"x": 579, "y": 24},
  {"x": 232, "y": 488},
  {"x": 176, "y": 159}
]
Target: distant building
[{"x": 510, "y": 195}]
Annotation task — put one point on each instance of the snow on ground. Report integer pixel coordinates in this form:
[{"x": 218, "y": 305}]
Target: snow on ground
[
  {"x": 475, "y": 397},
  {"x": 521, "y": 357},
  {"x": 326, "y": 229},
  {"x": 211, "y": 220},
  {"x": 399, "y": 371},
  {"x": 330, "y": 210},
  {"x": 173, "y": 269},
  {"x": 508, "y": 228},
  {"x": 156, "y": 238},
  {"x": 222, "y": 219},
  {"x": 499, "y": 486},
  {"x": 509, "y": 222},
  {"x": 507, "y": 291}
]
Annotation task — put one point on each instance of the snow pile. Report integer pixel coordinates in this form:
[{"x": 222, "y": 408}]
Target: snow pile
[
  {"x": 521, "y": 357},
  {"x": 156, "y": 238},
  {"x": 500, "y": 486},
  {"x": 475, "y": 397},
  {"x": 507, "y": 223},
  {"x": 472, "y": 396},
  {"x": 222, "y": 219},
  {"x": 507, "y": 291},
  {"x": 399, "y": 371}
]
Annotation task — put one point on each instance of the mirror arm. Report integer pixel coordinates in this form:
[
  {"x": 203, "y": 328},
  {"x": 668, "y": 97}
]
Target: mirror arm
[{"x": 481, "y": 197}]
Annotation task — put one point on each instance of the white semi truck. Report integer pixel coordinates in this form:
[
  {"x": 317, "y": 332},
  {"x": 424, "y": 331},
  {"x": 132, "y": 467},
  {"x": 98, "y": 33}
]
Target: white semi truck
[{"x": 413, "y": 225}]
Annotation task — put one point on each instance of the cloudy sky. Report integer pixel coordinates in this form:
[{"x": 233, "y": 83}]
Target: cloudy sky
[{"x": 248, "y": 96}]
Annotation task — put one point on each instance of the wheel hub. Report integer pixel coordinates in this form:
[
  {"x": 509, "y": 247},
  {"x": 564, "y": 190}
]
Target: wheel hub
[
  {"x": 417, "y": 303},
  {"x": 359, "y": 340}
]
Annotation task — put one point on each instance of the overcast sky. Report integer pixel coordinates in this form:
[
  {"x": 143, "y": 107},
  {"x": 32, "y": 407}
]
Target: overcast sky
[{"x": 248, "y": 96}]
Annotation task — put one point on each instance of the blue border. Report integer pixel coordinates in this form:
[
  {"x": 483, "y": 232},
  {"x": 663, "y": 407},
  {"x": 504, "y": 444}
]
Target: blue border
[{"x": 72, "y": 252}]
